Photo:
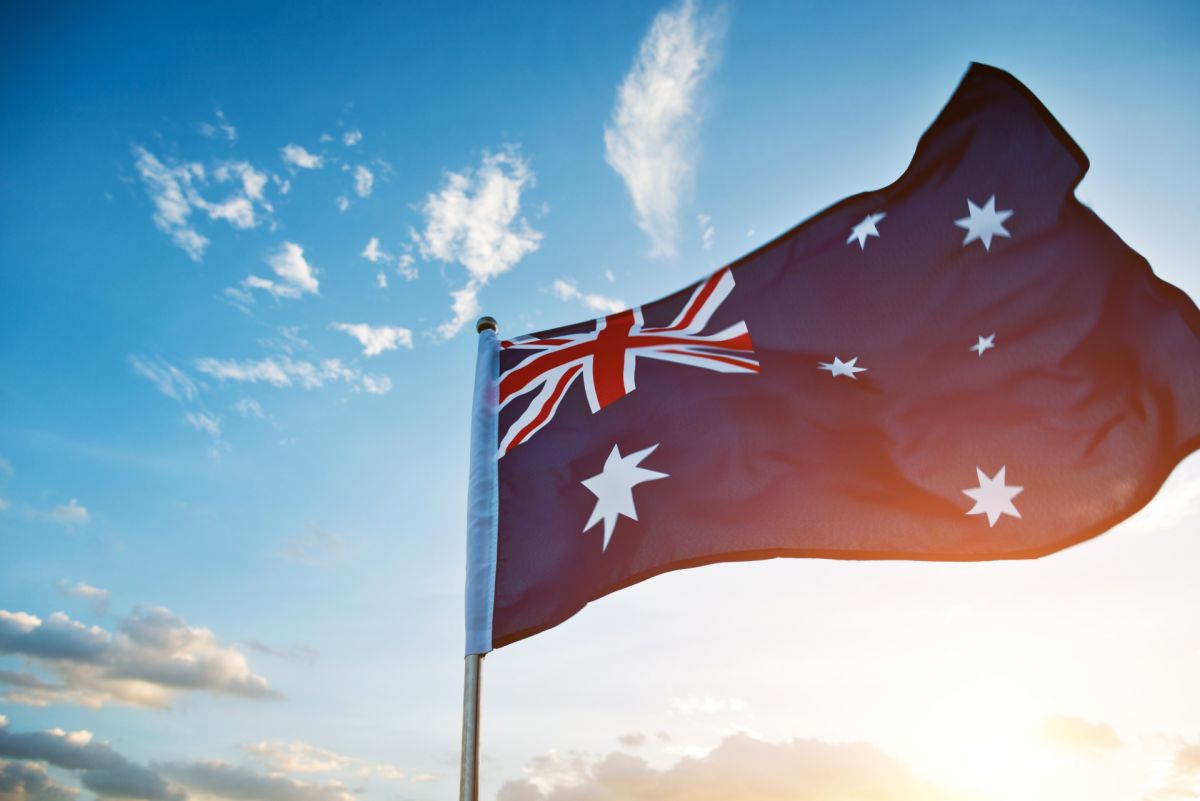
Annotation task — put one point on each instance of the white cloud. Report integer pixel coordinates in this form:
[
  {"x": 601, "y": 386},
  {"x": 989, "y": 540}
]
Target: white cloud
[
  {"x": 297, "y": 156},
  {"x": 342, "y": 202},
  {"x": 474, "y": 220},
  {"x": 406, "y": 267},
  {"x": 375, "y": 384},
  {"x": 69, "y": 515},
  {"x": 3, "y": 504},
  {"x": 284, "y": 372},
  {"x": 222, "y": 780},
  {"x": 352, "y": 138},
  {"x": 289, "y": 264},
  {"x": 707, "y": 231},
  {"x": 153, "y": 657},
  {"x": 175, "y": 191},
  {"x": 253, "y": 182},
  {"x": 168, "y": 379},
  {"x": 381, "y": 280},
  {"x": 205, "y": 423},
  {"x": 364, "y": 180},
  {"x": 166, "y": 187},
  {"x": 218, "y": 130},
  {"x": 608, "y": 276},
  {"x": 96, "y": 597},
  {"x": 376, "y": 339},
  {"x": 249, "y": 407},
  {"x": 298, "y": 756},
  {"x": 373, "y": 253},
  {"x": 650, "y": 141},
  {"x": 566, "y": 290}
]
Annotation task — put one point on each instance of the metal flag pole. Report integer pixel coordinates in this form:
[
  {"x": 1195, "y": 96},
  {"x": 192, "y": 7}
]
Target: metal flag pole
[
  {"x": 468, "y": 786},
  {"x": 482, "y": 513}
]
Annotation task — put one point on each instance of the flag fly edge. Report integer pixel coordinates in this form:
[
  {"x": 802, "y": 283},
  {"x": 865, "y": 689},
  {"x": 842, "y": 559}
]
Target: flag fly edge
[{"x": 483, "y": 498}]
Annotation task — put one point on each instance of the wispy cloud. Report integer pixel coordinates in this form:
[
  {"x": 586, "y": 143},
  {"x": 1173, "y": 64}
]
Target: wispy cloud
[
  {"x": 707, "y": 231},
  {"x": 364, "y": 180},
  {"x": 352, "y": 138},
  {"x": 475, "y": 220},
  {"x": 172, "y": 211},
  {"x": 153, "y": 657},
  {"x": 284, "y": 371},
  {"x": 315, "y": 546},
  {"x": 566, "y": 290},
  {"x": 70, "y": 514},
  {"x": 222, "y": 780},
  {"x": 376, "y": 339},
  {"x": 207, "y": 423},
  {"x": 6, "y": 467},
  {"x": 297, "y": 156},
  {"x": 220, "y": 129},
  {"x": 175, "y": 192},
  {"x": 650, "y": 141},
  {"x": 97, "y": 598},
  {"x": 167, "y": 379},
  {"x": 249, "y": 408},
  {"x": 297, "y": 756}
]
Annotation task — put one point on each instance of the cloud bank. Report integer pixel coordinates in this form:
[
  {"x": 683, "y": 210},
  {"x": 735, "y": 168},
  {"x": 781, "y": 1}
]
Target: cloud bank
[
  {"x": 740, "y": 767},
  {"x": 153, "y": 657}
]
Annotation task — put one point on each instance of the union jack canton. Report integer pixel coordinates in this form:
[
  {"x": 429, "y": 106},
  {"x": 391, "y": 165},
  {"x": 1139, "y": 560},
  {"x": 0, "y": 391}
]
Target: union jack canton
[{"x": 607, "y": 357}]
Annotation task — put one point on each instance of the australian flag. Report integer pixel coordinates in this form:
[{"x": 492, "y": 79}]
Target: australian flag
[{"x": 965, "y": 365}]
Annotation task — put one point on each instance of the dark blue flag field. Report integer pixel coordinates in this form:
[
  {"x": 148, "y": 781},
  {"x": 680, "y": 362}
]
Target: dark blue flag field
[{"x": 965, "y": 365}]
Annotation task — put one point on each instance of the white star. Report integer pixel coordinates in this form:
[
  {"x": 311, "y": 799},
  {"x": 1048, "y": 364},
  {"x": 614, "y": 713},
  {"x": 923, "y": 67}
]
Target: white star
[
  {"x": 613, "y": 489},
  {"x": 984, "y": 343},
  {"x": 839, "y": 367},
  {"x": 984, "y": 223},
  {"x": 864, "y": 229},
  {"x": 993, "y": 498}
]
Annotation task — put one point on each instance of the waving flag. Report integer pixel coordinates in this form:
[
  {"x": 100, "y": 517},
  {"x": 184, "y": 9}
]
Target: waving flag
[{"x": 965, "y": 365}]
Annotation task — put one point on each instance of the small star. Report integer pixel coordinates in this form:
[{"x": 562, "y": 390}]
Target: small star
[
  {"x": 613, "y": 489},
  {"x": 864, "y": 229},
  {"x": 984, "y": 223},
  {"x": 984, "y": 343},
  {"x": 993, "y": 498},
  {"x": 839, "y": 367}
]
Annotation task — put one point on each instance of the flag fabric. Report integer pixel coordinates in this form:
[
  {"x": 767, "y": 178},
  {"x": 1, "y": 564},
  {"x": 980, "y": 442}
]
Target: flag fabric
[{"x": 966, "y": 365}]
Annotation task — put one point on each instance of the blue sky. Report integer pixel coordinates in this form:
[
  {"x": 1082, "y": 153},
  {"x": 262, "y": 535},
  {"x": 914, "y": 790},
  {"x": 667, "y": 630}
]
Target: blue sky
[{"x": 225, "y": 441}]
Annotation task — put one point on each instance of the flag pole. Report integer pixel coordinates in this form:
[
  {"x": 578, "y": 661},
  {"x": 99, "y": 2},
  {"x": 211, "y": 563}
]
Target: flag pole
[
  {"x": 468, "y": 786},
  {"x": 482, "y": 513}
]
